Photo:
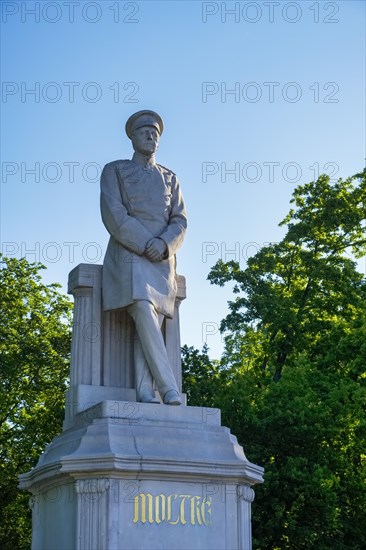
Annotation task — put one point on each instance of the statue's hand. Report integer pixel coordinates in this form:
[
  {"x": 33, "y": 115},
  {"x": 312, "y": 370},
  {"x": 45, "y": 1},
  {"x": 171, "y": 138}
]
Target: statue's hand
[{"x": 155, "y": 250}]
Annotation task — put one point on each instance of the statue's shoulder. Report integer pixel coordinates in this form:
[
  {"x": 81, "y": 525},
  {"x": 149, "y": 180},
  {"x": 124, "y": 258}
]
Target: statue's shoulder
[
  {"x": 166, "y": 171},
  {"x": 125, "y": 167},
  {"x": 118, "y": 164}
]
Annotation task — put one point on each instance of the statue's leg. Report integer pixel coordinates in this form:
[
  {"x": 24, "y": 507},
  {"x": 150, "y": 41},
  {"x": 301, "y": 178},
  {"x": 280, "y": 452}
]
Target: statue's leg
[
  {"x": 143, "y": 378},
  {"x": 148, "y": 323}
]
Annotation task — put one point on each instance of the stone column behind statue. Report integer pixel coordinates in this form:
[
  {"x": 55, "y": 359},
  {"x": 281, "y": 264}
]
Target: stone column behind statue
[{"x": 102, "y": 365}]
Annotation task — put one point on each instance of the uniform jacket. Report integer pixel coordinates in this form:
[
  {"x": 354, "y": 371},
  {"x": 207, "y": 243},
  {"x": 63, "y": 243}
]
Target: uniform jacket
[{"x": 137, "y": 204}]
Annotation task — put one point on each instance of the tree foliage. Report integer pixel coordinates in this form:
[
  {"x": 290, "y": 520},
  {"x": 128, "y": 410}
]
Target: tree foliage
[
  {"x": 294, "y": 292},
  {"x": 34, "y": 349},
  {"x": 200, "y": 377},
  {"x": 291, "y": 382}
]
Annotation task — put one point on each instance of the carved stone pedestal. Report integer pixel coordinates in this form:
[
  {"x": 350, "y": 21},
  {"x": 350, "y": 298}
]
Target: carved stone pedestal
[
  {"x": 134, "y": 476},
  {"x": 143, "y": 476}
]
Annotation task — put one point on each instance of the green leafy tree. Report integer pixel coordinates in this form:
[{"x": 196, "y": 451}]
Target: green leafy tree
[
  {"x": 308, "y": 430},
  {"x": 35, "y": 339},
  {"x": 201, "y": 377},
  {"x": 293, "y": 292},
  {"x": 291, "y": 382}
]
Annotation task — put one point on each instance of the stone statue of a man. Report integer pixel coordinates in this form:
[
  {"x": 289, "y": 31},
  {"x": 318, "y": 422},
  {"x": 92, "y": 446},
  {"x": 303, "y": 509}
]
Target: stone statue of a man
[{"x": 143, "y": 210}]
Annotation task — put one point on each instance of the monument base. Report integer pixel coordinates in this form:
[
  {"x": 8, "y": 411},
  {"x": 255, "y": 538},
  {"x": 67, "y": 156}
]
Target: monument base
[
  {"x": 129, "y": 475},
  {"x": 83, "y": 397}
]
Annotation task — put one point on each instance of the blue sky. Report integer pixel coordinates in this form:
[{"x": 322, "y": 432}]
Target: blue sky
[{"x": 256, "y": 97}]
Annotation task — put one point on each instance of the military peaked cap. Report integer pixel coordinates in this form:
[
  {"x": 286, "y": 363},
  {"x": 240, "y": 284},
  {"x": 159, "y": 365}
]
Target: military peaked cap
[{"x": 144, "y": 118}]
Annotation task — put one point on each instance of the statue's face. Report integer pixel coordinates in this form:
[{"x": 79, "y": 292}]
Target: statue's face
[{"x": 145, "y": 140}]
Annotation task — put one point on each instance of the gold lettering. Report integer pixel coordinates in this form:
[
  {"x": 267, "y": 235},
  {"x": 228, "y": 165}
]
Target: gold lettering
[
  {"x": 182, "y": 509},
  {"x": 170, "y": 509},
  {"x": 207, "y": 501},
  {"x": 195, "y": 510},
  {"x": 136, "y": 509},
  {"x": 150, "y": 508},
  {"x": 160, "y": 509},
  {"x": 143, "y": 508}
]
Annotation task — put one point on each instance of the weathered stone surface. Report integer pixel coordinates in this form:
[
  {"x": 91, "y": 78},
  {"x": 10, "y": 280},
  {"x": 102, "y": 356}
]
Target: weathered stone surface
[
  {"x": 102, "y": 365},
  {"x": 134, "y": 475}
]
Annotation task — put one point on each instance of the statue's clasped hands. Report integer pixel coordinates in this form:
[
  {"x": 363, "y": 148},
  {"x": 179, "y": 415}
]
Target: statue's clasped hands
[{"x": 155, "y": 250}]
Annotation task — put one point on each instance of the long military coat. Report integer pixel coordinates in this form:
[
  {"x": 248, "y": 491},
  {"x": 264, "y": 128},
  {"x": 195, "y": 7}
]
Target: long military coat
[{"x": 137, "y": 204}]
